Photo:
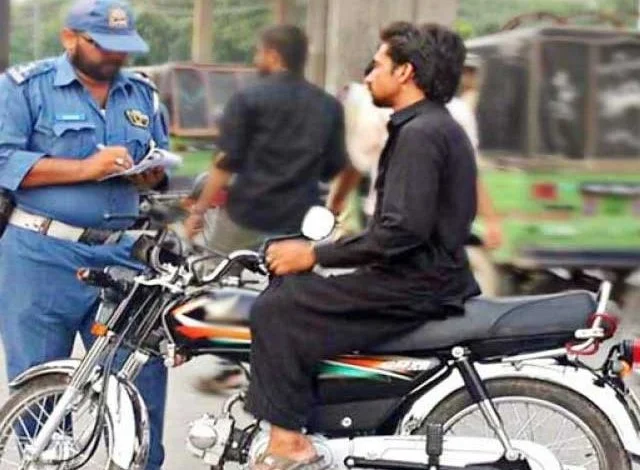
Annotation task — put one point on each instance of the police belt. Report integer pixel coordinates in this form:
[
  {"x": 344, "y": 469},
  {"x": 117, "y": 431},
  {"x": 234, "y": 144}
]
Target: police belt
[{"x": 56, "y": 229}]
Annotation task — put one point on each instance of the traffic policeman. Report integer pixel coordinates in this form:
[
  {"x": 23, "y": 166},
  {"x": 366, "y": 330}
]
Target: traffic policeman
[{"x": 66, "y": 125}]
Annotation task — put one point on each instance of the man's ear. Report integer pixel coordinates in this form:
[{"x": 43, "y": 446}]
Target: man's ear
[
  {"x": 275, "y": 59},
  {"x": 69, "y": 40},
  {"x": 405, "y": 72}
]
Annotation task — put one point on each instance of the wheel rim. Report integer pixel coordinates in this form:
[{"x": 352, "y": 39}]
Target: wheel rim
[
  {"x": 27, "y": 417},
  {"x": 539, "y": 421}
]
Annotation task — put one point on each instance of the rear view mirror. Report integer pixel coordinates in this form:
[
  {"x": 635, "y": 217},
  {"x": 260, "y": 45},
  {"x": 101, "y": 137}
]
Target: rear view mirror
[{"x": 318, "y": 223}]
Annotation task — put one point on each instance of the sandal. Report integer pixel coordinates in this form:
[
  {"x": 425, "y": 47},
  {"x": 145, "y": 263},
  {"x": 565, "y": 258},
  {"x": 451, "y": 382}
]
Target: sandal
[{"x": 276, "y": 462}]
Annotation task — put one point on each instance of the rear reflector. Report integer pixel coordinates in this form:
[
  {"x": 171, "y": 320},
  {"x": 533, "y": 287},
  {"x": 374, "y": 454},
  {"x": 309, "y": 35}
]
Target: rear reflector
[{"x": 630, "y": 352}]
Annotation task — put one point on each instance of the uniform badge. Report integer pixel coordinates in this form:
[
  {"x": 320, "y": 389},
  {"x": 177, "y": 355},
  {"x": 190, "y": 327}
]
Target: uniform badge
[
  {"x": 70, "y": 117},
  {"x": 118, "y": 18},
  {"x": 137, "y": 118}
]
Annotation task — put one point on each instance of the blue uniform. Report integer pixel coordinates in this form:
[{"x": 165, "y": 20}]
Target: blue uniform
[{"x": 45, "y": 112}]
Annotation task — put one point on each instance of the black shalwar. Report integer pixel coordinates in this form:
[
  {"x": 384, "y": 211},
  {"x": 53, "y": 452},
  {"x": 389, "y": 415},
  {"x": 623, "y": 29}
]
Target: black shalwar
[{"x": 411, "y": 259}]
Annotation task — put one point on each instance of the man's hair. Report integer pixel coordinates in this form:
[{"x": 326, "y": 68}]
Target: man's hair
[
  {"x": 290, "y": 42},
  {"x": 436, "y": 53}
]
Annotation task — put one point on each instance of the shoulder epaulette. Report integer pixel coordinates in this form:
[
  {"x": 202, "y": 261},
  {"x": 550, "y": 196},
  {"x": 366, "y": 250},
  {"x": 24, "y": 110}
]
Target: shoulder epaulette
[
  {"x": 22, "y": 73},
  {"x": 141, "y": 77}
]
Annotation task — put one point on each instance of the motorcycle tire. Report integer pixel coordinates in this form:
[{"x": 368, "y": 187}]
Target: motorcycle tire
[
  {"x": 45, "y": 386},
  {"x": 610, "y": 451}
]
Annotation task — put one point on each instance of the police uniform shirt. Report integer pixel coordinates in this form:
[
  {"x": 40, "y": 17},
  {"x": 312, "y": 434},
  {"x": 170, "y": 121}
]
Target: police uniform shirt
[{"x": 46, "y": 112}]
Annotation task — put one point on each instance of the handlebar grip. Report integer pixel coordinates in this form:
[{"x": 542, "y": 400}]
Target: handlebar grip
[
  {"x": 98, "y": 278},
  {"x": 143, "y": 248},
  {"x": 170, "y": 257}
]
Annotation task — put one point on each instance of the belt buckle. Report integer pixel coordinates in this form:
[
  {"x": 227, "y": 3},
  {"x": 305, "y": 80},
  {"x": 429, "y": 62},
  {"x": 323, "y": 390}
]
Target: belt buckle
[{"x": 43, "y": 228}]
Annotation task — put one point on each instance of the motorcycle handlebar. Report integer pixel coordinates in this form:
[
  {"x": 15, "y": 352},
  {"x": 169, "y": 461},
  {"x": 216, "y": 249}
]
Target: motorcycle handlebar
[
  {"x": 101, "y": 279},
  {"x": 249, "y": 259},
  {"x": 153, "y": 252}
]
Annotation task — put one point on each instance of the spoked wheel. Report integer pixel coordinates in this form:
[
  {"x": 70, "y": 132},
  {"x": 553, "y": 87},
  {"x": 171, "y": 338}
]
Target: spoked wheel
[
  {"x": 578, "y": 434},
  {"x": 72, "y": 443}
]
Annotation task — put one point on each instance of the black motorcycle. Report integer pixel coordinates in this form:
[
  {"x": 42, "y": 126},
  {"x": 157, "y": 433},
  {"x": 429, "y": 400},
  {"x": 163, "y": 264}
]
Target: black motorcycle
[{"x": 501, "y": 387}]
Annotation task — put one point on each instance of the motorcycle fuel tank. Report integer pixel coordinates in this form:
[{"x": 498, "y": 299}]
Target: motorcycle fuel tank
[{"x": 214, "y": 319}]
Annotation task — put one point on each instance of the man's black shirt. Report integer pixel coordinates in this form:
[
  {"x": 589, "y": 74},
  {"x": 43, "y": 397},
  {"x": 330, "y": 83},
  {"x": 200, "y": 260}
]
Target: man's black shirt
[
  {"x": 426, "y": 202},
  {"x": 281, "y": 137}
]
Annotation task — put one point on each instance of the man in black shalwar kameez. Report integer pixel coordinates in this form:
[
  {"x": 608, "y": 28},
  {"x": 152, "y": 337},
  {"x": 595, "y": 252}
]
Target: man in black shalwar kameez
[{"x": 411, "y": 259}]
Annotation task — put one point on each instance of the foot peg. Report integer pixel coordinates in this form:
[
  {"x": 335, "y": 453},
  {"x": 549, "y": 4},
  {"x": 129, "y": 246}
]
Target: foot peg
[{"x": 434, "y": 445}]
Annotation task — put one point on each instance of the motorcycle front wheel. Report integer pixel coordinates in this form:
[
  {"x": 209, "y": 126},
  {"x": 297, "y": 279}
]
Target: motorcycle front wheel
[
  {"x": 76, "y": 443},
  {"x": 578, "y": 433}
]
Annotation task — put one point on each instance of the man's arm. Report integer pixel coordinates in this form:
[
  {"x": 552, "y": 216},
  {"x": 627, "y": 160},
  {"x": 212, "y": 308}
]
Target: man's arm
[
  {"x": 346, "y": 181},
  {"x": 409, "y": 207},
  {"x": 336, "y": 164},
  {"x": 20, "y": 167},
  {"x": 335, "y": 153},
  {"x": 217, "y": 181},
  {"x": 464, "y": 115},
  {"x": 234, "y": 134},
  {"x": 487, "y": 212},
  {"x": 485, "y": 205},
  {"x": 233, "y": 144},
  {"x": 57, "y": 171},
  {"x": 15, "y": 129},
  {"x": 233, "y": 141}
]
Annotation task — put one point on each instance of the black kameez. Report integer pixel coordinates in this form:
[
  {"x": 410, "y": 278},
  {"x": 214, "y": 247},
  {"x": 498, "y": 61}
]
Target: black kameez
[{"x": 412, "y": 267}]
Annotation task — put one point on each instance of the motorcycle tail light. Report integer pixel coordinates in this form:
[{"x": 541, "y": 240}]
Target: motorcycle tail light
[
  {"x": 544, "y": 191},
  {"x": 630, "y": 352}
]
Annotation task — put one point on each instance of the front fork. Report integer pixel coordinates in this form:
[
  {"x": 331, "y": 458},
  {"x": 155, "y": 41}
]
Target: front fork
[{"x": 85, "y": 374}]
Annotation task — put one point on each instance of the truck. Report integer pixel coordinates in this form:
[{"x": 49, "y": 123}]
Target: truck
[{"x": 559, "y": 122}]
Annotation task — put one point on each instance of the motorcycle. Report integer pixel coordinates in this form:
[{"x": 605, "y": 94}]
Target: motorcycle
[{"x": 502, "y": 387}]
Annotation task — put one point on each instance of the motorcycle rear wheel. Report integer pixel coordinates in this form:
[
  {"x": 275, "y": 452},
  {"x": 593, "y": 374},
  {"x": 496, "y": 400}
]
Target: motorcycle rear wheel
[
  {"x": 525, "y": 405},
  {"x": 26, "y": 410}
]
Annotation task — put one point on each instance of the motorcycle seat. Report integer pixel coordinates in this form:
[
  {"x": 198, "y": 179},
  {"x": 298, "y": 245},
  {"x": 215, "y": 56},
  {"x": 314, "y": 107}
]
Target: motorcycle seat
[{"x": 505, "y": 321}]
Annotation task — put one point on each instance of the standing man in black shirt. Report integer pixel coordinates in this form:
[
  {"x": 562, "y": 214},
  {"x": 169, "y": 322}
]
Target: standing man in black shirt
[
  {"x": 280, "y": 138},
  {"x": 411, "y": 257}
]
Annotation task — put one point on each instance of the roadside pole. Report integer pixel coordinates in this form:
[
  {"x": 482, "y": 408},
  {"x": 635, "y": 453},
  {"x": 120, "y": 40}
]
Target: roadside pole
[{"x": 5, "y": 27}]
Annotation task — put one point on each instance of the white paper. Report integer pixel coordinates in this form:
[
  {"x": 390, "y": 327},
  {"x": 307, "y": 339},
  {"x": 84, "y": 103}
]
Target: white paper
[{"x": 156, "y": 157}]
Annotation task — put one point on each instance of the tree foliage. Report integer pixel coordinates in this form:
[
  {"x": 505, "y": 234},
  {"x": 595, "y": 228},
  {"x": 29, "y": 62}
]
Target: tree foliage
[
  {"x": 167, "y": 24},
  {"x": 235, "y": 33},
  {"x": 488, "y": 16}
]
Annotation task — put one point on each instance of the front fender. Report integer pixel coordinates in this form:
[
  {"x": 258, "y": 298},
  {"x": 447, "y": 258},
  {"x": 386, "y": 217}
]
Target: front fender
[
  {"x": 576, "y": 379},
  {"x": 64, "y": 366},
  {"x": 126, "y": 407}
]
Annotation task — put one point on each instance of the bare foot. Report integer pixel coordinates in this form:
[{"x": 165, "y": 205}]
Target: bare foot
[{"x": 290, "y": 444}]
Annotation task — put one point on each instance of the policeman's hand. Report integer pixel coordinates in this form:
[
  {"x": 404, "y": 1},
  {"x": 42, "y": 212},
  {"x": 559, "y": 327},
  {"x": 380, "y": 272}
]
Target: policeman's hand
[
  {"x": 290, "y": 256},
  {"x": 148, "y": 179},
  {"x": 193, "y": 225},
  {"x": 105, "y": 162}
]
